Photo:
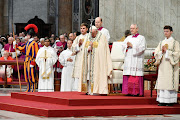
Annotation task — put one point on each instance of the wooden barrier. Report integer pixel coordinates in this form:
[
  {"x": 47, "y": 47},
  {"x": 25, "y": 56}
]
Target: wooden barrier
[{"x": 11, "y": 62}]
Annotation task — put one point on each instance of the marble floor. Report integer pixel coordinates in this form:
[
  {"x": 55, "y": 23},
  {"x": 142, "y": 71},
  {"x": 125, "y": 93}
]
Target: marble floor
[{"x": 7, "y": 115}]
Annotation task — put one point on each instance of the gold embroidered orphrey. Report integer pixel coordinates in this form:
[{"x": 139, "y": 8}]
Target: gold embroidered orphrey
[{"x": 45, "y": 57}]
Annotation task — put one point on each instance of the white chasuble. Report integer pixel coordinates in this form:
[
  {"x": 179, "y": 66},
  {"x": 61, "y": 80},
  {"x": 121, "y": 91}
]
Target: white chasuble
[
  {"x": 168, "y": 71},
  {"x": 45, "y": 59},
  {"x": 79, "y": 56},
  {"x": 98, "y": 65}
]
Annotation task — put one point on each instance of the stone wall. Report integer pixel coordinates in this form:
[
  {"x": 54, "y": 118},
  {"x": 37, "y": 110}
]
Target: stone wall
[
  {"x": 24, "y": 10},
  {"x": 150, "y": 15}
]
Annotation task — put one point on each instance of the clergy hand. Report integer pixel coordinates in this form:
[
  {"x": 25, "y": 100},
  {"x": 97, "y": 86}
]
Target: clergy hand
[
  {"x": 90, "y": 49},
  {"x": 91, "y": 44},
  {"x": 60, "y": 50},
  {"x": 69, "y": 59},
  {"x": 80, "y": 42},
  {"x": 31, "y": 66},
  {"x": 164, "y": 49},
  {"x": 73, "y": 54},
  {"x": 129, "y": 44}
]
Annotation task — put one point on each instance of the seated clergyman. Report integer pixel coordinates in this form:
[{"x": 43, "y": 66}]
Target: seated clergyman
[{"x": 9, "y": 69}]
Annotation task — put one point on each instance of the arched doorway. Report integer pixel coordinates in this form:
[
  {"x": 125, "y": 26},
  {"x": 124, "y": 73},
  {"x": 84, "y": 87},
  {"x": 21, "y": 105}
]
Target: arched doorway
[{"x": 44, "y": 30}]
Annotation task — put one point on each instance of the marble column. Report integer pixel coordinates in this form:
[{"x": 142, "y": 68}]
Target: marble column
[{"x": 65, "y": 16}]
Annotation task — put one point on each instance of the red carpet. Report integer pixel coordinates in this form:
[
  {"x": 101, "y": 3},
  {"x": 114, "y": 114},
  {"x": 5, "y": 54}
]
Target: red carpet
[{"x": 67, "y": 104}]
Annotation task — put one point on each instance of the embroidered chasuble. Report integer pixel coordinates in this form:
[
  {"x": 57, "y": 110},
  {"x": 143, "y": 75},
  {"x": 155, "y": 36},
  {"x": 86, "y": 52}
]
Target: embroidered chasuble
[
  {"x": 97, "y": 66},
  {"x": 46, "y": 58},
  {"x": 168, "y": 71}
]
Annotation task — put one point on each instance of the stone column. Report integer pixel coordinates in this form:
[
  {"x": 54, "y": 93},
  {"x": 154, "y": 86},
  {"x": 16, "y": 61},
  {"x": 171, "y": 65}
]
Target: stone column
[
  {"x": 5, "y": 17},
  {"x": 1, "y": 16},
  {"x": 65, "y": 16}
]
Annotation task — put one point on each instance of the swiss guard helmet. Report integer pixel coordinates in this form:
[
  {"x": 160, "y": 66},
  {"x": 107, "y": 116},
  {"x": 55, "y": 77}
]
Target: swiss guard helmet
[{"x": 31, "y": 29}]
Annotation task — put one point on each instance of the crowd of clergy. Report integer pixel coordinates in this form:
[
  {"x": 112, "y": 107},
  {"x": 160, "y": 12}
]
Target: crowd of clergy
[{"x": 83, "y": 61}]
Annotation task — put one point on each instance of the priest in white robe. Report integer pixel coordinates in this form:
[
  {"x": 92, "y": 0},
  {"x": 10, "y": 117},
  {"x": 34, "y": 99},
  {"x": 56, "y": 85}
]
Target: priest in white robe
[
  {"x": 167, "y": 56},
  {"x": 45, "y": 59},
  {"x": 78, "y": 51},
  {"x": 97, "y": 67},
  {"x": 133, "y": 48},
  {"x": 67, "y": 60},
  {"x": 104, "y": 31}
]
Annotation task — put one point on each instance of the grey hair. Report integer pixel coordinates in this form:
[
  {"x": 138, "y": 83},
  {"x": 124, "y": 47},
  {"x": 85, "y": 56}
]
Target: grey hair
[
  {"x": 93, "y": 28},
  {"x": 42, "y": 39},
  {"x": 11, "y": 38},
  {"x": 135, "y": 25},
  {"x": 62, "y": 35}
]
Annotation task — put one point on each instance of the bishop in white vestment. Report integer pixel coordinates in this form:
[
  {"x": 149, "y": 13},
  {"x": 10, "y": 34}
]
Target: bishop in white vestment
[
  {"x": 45, "y": 59},
  {"x": 133, "y": 48},
  {"x": 167, "y": 56},
  {"x": 96, "y": 65},
  {"x": 67, "y": 60}
]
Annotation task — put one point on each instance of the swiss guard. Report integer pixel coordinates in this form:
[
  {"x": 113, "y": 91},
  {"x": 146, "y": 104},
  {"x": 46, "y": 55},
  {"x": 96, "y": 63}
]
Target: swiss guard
[{"x": 30, "y": 49}]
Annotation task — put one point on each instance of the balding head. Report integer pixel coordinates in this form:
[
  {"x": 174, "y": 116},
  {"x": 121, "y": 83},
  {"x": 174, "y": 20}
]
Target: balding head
[
  {"x": 98, "y": 19},
  {"x": 98, "y": 22},
  {"x": 10, "y": 40},
  {"x": 5, "y": 55}
]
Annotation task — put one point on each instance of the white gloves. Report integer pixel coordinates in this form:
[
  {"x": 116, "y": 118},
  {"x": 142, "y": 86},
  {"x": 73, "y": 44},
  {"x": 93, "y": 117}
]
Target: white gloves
[{"x": 31, "y": 65}]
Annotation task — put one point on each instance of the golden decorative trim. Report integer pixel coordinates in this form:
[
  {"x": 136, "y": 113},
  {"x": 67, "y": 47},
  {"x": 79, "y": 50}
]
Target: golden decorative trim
[
  {"x": 45, "y": 78},
  {"x": 87, "y": 44},
  {"x": 84, "y": 87},
  {"x": 95, "y": 44}
]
